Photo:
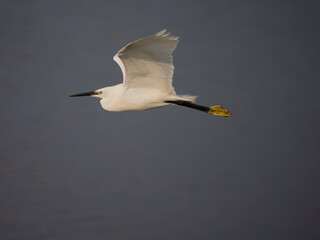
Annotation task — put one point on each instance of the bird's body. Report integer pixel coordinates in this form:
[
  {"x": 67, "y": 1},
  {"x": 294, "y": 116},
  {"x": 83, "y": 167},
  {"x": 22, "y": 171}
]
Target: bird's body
[
  {"x": 118, "y": 98},
  {"x": 147, "y": 67}
]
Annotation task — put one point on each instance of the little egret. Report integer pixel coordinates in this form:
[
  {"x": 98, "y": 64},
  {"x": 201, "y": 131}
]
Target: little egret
[{"x": 147, "y": 68}]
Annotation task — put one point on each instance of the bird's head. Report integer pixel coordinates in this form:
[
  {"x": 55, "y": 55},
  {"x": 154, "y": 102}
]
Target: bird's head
[{"x": 99, "y": 93}]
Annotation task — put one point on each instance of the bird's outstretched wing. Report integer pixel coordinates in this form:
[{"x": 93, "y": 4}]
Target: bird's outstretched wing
[{"x": 148, "y": 62}]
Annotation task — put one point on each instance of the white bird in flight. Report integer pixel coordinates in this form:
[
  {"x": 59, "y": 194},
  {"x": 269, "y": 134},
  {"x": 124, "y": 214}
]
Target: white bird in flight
[{"x": 147, "y": 68}]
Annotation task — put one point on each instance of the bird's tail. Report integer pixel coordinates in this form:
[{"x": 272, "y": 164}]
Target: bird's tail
[{"x": 187, "y": 98}]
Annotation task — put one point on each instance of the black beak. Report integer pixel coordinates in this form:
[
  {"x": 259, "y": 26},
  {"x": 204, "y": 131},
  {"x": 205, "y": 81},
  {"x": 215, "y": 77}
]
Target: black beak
[{"x": 85, "y": 94}]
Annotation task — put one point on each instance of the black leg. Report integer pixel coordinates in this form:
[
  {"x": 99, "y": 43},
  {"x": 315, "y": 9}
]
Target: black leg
[
  {"x": 215, "y": 110},
  {"x": 190, "y": 105}
]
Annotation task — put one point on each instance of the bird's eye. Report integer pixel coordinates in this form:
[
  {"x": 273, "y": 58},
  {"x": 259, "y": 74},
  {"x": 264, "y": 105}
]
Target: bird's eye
[{"x": 100, "y": 92}]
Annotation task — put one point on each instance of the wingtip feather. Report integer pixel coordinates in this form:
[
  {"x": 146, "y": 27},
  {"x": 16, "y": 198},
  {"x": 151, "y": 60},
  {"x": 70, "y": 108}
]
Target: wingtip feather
[
  {"x": 161, "y": 32},
  {"x": 166, "y": 35}
]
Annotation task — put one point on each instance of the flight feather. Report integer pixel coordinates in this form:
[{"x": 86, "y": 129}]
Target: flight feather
[{"x": 148, "y": 62}]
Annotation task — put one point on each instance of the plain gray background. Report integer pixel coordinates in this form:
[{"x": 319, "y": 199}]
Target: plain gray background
[{"x": 70, "y": 170}]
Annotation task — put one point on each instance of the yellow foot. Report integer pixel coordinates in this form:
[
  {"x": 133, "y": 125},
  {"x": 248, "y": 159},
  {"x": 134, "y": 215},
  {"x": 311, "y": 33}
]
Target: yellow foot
[{"x": 219, "y": 111}]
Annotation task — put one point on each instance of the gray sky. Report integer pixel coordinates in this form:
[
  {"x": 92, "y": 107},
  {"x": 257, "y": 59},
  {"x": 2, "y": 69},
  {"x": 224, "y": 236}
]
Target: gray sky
[{"x": 70, "y": 170}]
